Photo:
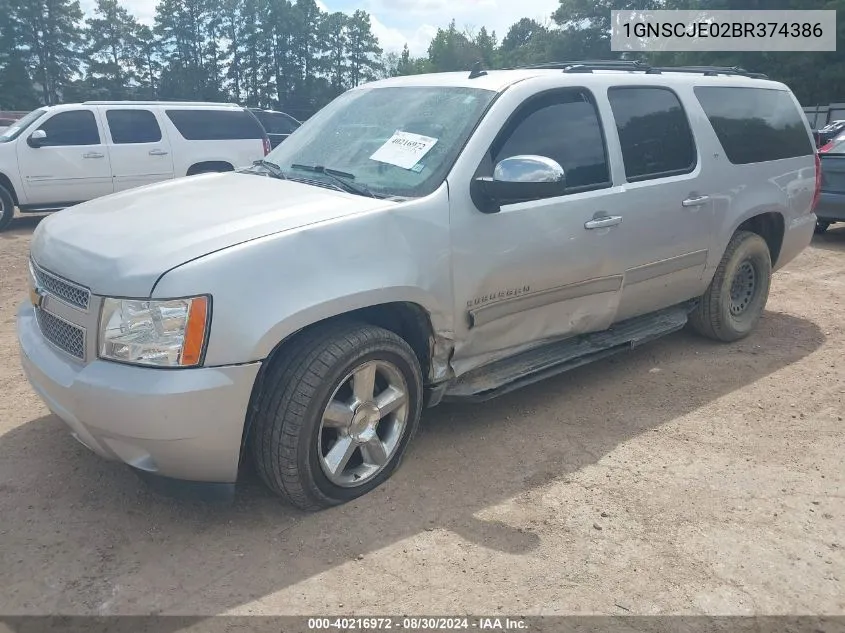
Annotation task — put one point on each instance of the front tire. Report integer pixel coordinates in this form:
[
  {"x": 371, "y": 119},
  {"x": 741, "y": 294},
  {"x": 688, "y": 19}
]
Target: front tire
[
  {"x": 7, "y": 208},
  {"x": 337, "y": 410},
  {"x": 737, "y": 295}
]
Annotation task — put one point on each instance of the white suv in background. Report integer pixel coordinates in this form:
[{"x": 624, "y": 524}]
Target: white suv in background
[{"x": 58, "y": 156}]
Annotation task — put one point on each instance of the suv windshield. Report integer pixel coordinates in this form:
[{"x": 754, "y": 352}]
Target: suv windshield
[
  {"x": 398, "y": 141},
  {"x": 17, "y": 128}
]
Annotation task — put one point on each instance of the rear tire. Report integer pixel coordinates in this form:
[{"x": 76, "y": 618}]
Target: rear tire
[
  {"x": 7, "y": 208},
  {"x": 737, "y": 295},
  {"x": 821, "y": 226},
  {"x": 209, "y": 168},
  {"x": 338, "y": 408}
]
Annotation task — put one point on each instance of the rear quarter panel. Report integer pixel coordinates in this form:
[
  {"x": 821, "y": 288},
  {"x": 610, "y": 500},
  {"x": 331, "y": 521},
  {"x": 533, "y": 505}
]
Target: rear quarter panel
[
  {"x": 740, "y": 192},
  {"x": 238, "y": 153}
]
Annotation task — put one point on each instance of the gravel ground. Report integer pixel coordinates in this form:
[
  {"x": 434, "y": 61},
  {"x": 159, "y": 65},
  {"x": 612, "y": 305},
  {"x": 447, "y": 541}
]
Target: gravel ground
[{"x": 686, "y": 477}]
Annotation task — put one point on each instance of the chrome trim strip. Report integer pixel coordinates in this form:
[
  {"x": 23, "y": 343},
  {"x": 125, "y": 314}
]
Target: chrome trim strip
[
  {"x": 665, "y": 267},
  {"x": 494, "y": 311}
]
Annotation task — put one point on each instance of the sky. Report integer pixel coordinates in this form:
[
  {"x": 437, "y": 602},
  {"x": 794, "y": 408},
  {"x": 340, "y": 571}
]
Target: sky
[{"x": 397, "y": 22}]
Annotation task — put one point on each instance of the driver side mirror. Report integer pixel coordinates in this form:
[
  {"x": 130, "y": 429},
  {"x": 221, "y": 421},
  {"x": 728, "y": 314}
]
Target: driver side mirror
[
  {"x": 37, "y": 138},
  {"x": 519, "y": 179}
]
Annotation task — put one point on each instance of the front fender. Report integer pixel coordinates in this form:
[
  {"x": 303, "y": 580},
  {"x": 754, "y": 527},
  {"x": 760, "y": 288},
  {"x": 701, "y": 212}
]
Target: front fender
[{"x": 267, "y": 289}]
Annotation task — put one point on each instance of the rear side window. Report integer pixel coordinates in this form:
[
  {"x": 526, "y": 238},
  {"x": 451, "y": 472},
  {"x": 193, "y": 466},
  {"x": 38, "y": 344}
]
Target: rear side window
[
  {"x": 215, "y": 125},
  {"x": 564, "y": 127},
  {"x": 755, "y": 125},
  {"x": 654, "y": 133},
  {"x": 133, "y": 126},
  {"x": 77, "y": 127}
]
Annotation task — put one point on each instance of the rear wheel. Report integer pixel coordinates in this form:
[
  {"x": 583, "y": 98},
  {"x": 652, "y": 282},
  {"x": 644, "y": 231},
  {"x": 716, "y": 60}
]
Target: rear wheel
[
  {"x": 822, "y": 226},
  {"x": 209, "y": 168},
  {"x": 338, "y": 409},
  {"x": 7, "y": 208},
  {"x": 737, "y": 295}
]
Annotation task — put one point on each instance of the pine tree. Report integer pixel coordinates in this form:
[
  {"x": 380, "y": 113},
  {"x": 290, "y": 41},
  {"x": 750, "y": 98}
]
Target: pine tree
[
  {"x": 364, "y": 50},
  {"x": 451, "y": 50},
  {"x": 147, "y": 63},
  {"x": 183, "y": 28},
  {"x": 336, "y": 41},
  {"x": 16, "y": 90},
  {"x": 50, "y": 30},
  {"x": 487, "y": 46},
  {"x": 232, "y": 27},
  {"x": 113, "y": 49},
  {"x": 281, "y": 75}
]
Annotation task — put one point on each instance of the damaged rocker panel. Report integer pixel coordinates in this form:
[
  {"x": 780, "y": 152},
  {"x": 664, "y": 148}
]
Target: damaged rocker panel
[{"x": 558, "y": 356}]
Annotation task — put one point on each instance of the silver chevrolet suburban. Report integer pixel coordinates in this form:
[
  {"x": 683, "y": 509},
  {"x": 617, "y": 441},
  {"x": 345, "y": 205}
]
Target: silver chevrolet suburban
[{"x": 426, "y": 238}]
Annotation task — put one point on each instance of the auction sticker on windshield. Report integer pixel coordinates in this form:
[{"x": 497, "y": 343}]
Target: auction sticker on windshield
[{"x": 404, "y": 149}]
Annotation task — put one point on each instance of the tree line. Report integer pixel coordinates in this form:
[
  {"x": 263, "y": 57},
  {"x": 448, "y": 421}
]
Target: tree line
[
  {"x": 257, "y": 52},
  {"x": 291, "y": 55}
]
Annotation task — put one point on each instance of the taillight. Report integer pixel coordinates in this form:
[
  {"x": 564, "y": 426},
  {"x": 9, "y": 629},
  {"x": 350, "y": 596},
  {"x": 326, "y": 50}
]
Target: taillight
[
  {"x": 826, "y": 147},
  {"x": 818, "y": 190},
  {"x": 266, "y": 142}
]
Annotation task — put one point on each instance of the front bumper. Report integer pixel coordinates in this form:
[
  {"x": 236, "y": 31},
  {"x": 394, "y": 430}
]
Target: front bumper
[{"x": 181, "y": 423}]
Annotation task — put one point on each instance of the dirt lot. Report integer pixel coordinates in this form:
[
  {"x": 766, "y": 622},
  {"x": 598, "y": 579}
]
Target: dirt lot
[{"x": 685, "y": 477}]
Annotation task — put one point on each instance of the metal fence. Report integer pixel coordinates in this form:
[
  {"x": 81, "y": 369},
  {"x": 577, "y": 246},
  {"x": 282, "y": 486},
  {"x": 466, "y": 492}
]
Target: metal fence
[{"x": 819, "y": 116}]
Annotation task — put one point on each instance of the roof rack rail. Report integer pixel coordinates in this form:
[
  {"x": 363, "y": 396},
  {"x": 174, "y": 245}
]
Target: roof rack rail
[
  {"x": 163, "y": 103},
  {"x": 589, "y": 66},
  {"x": 709, "y": 71}
]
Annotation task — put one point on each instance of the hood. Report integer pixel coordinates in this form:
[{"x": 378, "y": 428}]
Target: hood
[{"x": 119, "y": 245}]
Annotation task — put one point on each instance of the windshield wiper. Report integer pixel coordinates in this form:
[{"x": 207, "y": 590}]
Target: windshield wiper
[
  {"x": 271, "y": 167},
  {"x": 342, "y": 179}
]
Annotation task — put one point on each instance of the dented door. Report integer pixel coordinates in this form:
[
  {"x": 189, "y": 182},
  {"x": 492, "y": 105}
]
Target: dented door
[{"x": 543, "y": 269}]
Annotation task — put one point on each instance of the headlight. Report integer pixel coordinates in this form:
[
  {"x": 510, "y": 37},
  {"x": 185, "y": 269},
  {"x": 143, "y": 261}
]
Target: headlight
[{"x": 167, "y": 333}]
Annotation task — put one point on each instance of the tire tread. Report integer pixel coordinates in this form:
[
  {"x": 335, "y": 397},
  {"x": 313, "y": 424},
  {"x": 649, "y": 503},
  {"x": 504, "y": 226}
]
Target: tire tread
[
  {"x": 708, "y": 317},
  {"x": 292, "y": 381}
]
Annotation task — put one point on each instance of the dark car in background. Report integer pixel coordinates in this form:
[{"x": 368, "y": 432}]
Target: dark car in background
[
  {"x": 831, "y": 206},
  {"x": 278, "y": 125}
]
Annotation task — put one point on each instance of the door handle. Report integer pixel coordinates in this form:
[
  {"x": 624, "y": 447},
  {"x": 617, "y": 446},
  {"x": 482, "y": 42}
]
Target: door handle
[
  {"x": 158, "y": 152},
  {"x": 697, "y": 201},
  {"x": 603, "y": 222},
  {"x": 93, "y": 155}
]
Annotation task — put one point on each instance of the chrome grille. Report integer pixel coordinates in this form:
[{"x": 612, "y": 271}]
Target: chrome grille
[
  {"x": 67, "y": 291},
  {"x": 66, "y": 336}
]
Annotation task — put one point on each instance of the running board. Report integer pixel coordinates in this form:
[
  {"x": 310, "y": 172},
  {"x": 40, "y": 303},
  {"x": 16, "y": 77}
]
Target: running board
[
  {"x": 509, "y": 374},
  {"x": 45, "y": 208}
]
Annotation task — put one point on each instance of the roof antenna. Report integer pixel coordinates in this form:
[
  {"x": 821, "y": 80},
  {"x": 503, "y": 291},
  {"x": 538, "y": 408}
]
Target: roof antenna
[{"x": 477, "y": 71}]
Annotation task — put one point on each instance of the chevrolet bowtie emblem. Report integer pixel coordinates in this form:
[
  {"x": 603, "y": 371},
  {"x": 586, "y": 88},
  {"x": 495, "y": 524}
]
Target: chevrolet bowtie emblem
[{"x": 36, "y": 297}]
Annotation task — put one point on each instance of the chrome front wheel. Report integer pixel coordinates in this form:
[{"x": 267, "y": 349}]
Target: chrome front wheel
[
  {"x": 335, "y": 413},
  {"x": 363, "y": 423}
]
